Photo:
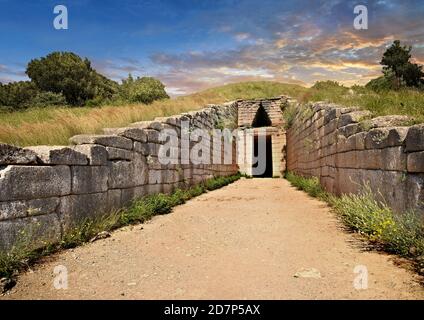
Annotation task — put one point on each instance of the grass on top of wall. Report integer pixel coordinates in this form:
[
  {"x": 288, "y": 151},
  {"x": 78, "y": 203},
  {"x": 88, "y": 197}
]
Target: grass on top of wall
[
  {"x": 402, "y": 234},
  {"x": 54, "y": 126},
  {"x": 22, "y": 256},
  {"x": 391, "y": 102}
]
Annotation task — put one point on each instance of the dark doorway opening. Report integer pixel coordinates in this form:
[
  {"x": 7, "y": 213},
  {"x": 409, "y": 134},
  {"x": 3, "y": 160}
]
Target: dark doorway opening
[
  {"x": 261, "y": 118},
  {"x": 259, "y": 161}
]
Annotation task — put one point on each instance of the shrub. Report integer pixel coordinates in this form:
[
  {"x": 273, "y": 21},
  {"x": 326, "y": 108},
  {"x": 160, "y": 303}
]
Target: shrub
[
  {"x": 144, "y": 90},
  {"x": 18, "y": 95},
  {"x": 47, "y": 99}
]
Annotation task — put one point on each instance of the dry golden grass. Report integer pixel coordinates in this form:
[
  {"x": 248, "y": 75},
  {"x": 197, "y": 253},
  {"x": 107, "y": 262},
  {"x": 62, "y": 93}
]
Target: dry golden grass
[{"x": 55, "y": 126}]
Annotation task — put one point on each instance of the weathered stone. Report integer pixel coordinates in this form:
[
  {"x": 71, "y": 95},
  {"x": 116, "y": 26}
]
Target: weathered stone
[
  {"x": 349, "y": 129},
  {"x": 142, "y": 148},
  {"x": 133, "y": 133},
  {"x": 59, "y": 155},
  {"x": 397, "y": 136},
  {"x": 75, "y": 209},
  {"x": 331, "y": 114},
  {"x": 394, "y": 159},
  {"x": 153, "y": 136},
  {"x": 104, "y": 140},
  {"x": 377, "y": 138},
  {"x": 352, "y": 117},
  {"x": 114, "y": 199},
  {"x": 32, "y": 182},
  {"x": 156, "y": 176},
  {"x": 126, "y": 174},
  {"x": 155, "y": 125},
  {"x": 414, "y": 140},
  {"x": 96, "y": 154},
  {"x": 154, "y": 188},
  {"x": 131, "y": 194},
  {"x": 89, "y": 179},
  {"x": 14, "y": 155},
  {"x": 416, "y": 161},
  {"x": 119, "y": 154},
  {"x": 388, "y": 121},
  {"x": 31, "y": 232},
  {"x": 360, "y": 140},
  {"x": 24, "y": 208}
]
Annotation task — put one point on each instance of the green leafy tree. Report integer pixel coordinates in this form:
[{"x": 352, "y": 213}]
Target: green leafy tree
[
  {"x": 144, "y": 90},
  {"x": 397, "y": 60},
  {"x": 68, "y": 74},
  {"x": 17, "y": 95}
]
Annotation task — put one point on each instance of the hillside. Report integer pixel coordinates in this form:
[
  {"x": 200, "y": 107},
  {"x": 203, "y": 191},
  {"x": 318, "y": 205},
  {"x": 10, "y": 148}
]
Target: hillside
[
  {"x": 43, "y": 126},
  {"x": 56, "y": 126}
]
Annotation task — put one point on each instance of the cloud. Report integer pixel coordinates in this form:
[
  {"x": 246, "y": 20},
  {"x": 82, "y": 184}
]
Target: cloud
[
  {"x": 118, "y": 69},
  {"x": 300, "y": 46}
]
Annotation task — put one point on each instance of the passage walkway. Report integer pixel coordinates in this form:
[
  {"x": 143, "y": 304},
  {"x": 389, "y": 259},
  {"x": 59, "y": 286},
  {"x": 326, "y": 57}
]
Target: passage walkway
[{"x": 245, "y": 241}]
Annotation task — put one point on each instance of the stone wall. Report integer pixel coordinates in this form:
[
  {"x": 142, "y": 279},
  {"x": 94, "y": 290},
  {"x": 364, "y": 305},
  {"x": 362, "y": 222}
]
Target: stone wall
[
  {"x": 346, "y": 148},
  {"x": 248, "y": 113},
  {"x": 45, "y": 190}
]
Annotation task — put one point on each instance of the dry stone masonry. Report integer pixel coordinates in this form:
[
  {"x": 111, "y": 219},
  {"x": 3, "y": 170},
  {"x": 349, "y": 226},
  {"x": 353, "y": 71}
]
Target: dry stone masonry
[
  {"x": 263, "y": 117},
  {"x": 346, "y": 149},
  {"x": 45, "y": 190}
]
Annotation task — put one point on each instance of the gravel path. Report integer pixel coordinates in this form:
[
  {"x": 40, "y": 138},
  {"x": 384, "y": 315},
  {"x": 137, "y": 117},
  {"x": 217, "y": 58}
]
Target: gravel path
[{"x": 254, "y": 239}]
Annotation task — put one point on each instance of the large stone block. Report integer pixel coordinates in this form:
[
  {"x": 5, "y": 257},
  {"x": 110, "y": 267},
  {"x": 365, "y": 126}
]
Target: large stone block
[
  {"x": 89, "y": 179},
  {"x": 126, "y": 174},
  {"x": 131, "y": 194},
  {"x": 388, "y": 121},
  {"x": 132, "y": 133},
  {"x": 352, "y": 117},
  {"x": 155, "y": 125},
  {"x": 156, "y": 176},
  {"x": 394, "y": 159},
  {"x": 96, "y": 154},
  {"x": 349, "y": 129},
  {"x": 59, "y": 155},
  {"x": 414, "y": 140},
  {"x": 119, "y": 154},
  {"x": 377, "y": 138},
  {"x": 416, "y": 161},
  {"x": 25, "y": 208},
  {"x": 104, "y": 140},
  {"x": 32, "y": 182},
  {"x": 29, "y": 232},
  {"x": 142, "y": 148},
  {"x": 114, "y": 200},
  {"x": 14, "y": 155},
  {"x": 75, "y": 209}
]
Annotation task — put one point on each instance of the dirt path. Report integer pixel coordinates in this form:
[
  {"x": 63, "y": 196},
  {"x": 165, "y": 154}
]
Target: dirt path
[{"x": 245, "y": 241}]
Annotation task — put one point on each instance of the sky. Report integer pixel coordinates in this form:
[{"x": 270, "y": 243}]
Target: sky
[{"x": 197, "y": 44}]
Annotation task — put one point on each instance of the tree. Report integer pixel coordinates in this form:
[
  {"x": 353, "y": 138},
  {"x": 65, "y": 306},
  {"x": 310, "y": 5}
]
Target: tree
[
  {"x": 68, "y": 74},
  {"x": 144, "y": 89},
  {"x": 17, "y": 95},
  {"x": 397, "y": 59}
]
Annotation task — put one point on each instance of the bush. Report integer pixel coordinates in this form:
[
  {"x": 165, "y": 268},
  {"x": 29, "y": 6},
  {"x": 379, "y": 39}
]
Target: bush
[
  {"x": 17, "y": 95},
  {"x": 144, "y": 90},
  {"x": 47, "y": 99}
]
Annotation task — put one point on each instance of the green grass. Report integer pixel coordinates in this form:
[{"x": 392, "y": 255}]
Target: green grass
[
  {"x": 401, "y": 234},
  {"x": 402, "y": 102},
  {"x": 22, "y": 256}
]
